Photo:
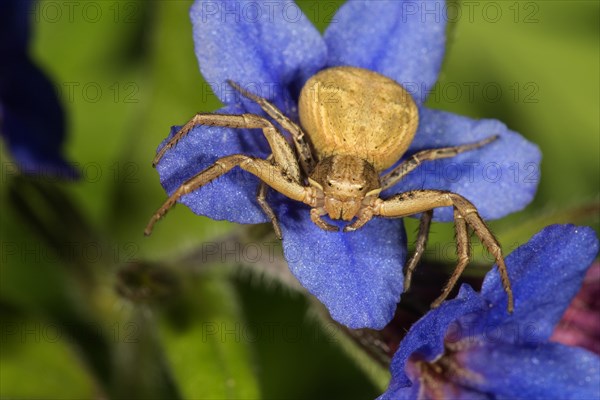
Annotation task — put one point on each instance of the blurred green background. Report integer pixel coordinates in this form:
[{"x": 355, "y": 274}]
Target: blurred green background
[{"x": 92, "y": 309}]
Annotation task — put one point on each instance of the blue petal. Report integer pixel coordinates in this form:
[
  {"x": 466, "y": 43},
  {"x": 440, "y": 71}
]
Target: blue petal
[
  {"x": 546, "y": 371},
  {"x": 357, "y": 275},
  {"x": 32, "y": 125},
  {"x": 427, "y": 335},
  {"x": 499, "y": 178},
  {"x": 31, "y": 118},
  {"x": 14, "y": 26},
  {"x": 269, "y": 47},
  {"x": 401, "y": 393},
  {"x": 230, "y": 197},
  {"x": 403, "y": 40},
  {"x": 545, "y": 273}
]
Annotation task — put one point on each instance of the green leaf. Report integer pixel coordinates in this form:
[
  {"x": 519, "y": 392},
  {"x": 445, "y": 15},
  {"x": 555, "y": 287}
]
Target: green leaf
[
  {"x": 208, "y": 345},
  {"x": 515, "y": 235},
  {"x": 534, "y": 66},
  {"x": 140, "y": 370},
  {"x": 37, "y": 360}
]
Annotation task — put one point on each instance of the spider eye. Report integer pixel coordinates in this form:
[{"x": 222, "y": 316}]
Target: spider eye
[
  {"x": 329, "y": 183},
  {"x": 361, "y": 188}
]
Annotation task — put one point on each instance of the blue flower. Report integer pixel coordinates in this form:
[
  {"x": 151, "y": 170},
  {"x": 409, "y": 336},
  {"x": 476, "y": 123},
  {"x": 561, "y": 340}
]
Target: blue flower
[
  {"x": 271, "y": 49},
  {"x": 470, "y": 347},
  {"x": 32, "y": 121}
]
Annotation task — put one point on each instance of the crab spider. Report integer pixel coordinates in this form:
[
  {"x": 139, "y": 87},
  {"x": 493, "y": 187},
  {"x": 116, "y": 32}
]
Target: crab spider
[{"x": 354, "y": 134}]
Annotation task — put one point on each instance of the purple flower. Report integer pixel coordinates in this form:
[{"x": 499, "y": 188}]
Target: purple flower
[
  {"x": 471, "y": 348},
  {"x": 271, "y": 49},
  {"x": 580, "y": 324},
  {"x": 31, "y": 119}
]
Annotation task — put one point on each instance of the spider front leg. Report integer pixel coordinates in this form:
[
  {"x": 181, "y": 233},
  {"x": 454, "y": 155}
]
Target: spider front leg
[
  {"x": 282, "y": 152},
  {"x": 307, "y": 159},
  {"x": 283, "y": 156},
  {"x": 413, "y": 202},
  {"x": 271, "y": 174}
]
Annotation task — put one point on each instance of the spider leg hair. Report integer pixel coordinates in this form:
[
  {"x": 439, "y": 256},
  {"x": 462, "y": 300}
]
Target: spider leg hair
[
  {"x": 417, "y": 201},
  {"x": 421, "y": 242},
  {"x": 282, "y": 162},
  {"x": 395, "y": 175},
  {"x": 269, "y": 173},
  {"x": 307, "y": 158},
  {"x": 282, "y": 152}
]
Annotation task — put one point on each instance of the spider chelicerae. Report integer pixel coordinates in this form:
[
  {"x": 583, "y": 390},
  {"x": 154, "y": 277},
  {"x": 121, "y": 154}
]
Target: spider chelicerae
[{"x": 354, "y": 124}]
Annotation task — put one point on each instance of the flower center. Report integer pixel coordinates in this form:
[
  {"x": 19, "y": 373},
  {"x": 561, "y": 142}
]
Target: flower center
[{"x": 444, "y": 377}]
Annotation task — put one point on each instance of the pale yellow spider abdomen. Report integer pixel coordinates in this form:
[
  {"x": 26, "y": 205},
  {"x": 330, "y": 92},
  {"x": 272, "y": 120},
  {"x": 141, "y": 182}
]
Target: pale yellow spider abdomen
[{"x": 354, "y": 111}]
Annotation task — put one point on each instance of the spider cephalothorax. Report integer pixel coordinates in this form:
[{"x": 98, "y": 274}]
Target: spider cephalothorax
[
  {"x": 359, "y": 123},
  {"x": 342, "y": 184}
]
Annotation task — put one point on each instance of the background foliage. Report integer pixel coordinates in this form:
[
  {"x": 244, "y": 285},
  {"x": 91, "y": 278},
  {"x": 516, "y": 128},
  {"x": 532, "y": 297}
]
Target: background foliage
[{"x": 91, "y": 308}]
